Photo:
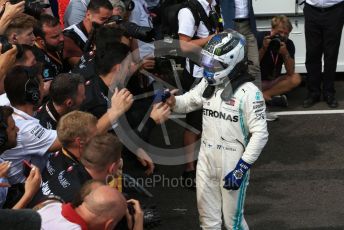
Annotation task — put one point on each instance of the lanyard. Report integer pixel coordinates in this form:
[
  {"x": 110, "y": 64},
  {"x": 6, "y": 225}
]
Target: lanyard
[{"x": 274, "y": 59}]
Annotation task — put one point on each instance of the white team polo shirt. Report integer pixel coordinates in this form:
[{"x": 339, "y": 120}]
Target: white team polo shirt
[
  {"x": 53, "y": 219},
  {"x": 33, "y": 142},
  {"x": 4, "y": 100},
  {"x": 187, "y": 27}
]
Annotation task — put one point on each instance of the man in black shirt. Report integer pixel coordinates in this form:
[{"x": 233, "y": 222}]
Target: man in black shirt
[
  {"x": 83, "y": 157},
  {"x": 67, "y": 92},
  {"x": 49, "y": 46},
  {"x": 275, "y": 50},
  {"x": 112, "y": 64}
]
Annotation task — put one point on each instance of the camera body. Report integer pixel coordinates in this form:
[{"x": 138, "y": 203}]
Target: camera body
[
  {"x": 32, "y": 7},
  {"x": 275, "y": 43},
  {"x": 143, "y": 33}
]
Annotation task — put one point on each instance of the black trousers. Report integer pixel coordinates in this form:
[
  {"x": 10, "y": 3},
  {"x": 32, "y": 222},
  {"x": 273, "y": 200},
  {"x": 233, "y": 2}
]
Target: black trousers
[{"x": 323, "y": 30}]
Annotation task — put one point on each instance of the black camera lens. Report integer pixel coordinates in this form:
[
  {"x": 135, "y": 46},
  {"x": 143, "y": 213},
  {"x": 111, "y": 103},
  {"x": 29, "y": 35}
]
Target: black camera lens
[{"x": 275, "y": 43}]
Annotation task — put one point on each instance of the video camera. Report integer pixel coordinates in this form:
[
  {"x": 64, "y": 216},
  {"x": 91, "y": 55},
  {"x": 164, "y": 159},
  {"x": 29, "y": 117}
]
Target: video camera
[
  {"x": 143, "y": 33},
  {"x": 7, "y": 46},
  {"x": 275, "y": 43},
  {"x": 32, "y": 7}
]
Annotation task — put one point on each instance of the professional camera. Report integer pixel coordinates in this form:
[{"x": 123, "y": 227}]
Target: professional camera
[
  {"x": 275, "y": 43},
  {"x": 7, "y": 46},
  {"x": 151, "y": 217},
  {"x": 32, "y": 7},
  {"x": 143, "y": 33}
]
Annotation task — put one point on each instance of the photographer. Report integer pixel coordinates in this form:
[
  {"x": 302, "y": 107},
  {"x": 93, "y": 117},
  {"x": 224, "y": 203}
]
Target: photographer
[
  {"x": 102, "y": 208},
  {"x": 275, "y": 50}
]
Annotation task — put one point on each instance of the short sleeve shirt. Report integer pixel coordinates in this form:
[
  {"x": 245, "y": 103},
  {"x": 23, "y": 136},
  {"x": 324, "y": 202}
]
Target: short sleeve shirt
[
  {"x": 33, "y": 142},
  {"x": 271, "y": 65},
  {"x": 186, "y": 26},
  {"x": 63, "y": 177},
  {"x": 51, "y": 67}
]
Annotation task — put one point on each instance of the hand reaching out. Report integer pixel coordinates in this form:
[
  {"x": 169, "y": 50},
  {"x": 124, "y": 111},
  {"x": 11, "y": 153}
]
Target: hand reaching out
[
  {"x": 121, "y": 102},
  {"x": 33, "y": 182},
  {"x": 4, "y": 167},
  {"x": 160, "y": 112},
  {"x": 145, "y": 160}
]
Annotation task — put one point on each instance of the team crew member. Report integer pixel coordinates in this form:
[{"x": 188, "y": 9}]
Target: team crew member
[
  {"x": 8, "y": 140},
  {"x": 49, "y": 46},
  {"x": 67, "y": 92},
  {"x": 191, "y": 36},
  {"x": 76, "y": 36},
  {"x": 67, "y": 171},
  {"x": 113, "y": 64},
  {"x": 229, "y": 117},
  {"x": 24, "y": 86}
]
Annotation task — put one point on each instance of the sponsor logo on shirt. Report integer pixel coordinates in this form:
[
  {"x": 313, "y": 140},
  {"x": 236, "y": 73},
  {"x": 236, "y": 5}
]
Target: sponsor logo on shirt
[
  {"x": 221, "y": 115},
  {"x": 38, "y": 131}
]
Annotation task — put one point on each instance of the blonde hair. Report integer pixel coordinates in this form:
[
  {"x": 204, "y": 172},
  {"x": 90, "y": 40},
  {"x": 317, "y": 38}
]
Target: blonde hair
[
  {"x": 75, "y": 124},
  {"x": 281, "y": 20}
]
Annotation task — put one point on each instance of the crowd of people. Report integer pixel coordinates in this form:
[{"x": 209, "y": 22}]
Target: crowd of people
[{"x": 70, "y": 70}]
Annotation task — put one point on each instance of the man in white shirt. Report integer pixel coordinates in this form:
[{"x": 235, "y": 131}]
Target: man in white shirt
[
  {"x": 141, "y": 16},
  {"x": 24, "y": 86},
  {"x": 192, "y": 38}
]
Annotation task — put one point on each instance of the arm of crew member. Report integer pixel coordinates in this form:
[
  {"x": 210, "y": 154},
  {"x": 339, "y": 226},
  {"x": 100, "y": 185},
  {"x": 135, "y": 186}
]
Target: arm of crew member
[
  {"x": 56, "y": 146},
  {"x": 121, "y": 102},
  {"x": 188, "y": 45}
]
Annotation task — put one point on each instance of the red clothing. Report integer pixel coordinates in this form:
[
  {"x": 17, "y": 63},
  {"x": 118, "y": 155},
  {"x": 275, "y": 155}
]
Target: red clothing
[
  {"x": 70, "y": 214},
  {"x": 62, "y": 6}
]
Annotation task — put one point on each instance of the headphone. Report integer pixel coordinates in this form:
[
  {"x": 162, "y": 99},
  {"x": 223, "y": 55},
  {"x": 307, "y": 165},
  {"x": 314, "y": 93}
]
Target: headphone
[
  {"x": 129, "y": 5},
  {"x": 3, "y": 127},
  {"x": 32, "y": 93}
]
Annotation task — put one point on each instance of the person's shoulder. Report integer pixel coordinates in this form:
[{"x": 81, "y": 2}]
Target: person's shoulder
[
  {"x": 4, "y": 100},
  {"x": 185, "y": 13},
  {"x": 290, "y": 43}
]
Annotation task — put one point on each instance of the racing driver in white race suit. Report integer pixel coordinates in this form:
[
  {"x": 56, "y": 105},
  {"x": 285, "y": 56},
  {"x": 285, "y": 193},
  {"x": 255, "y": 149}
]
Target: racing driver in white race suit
[{"x": 234, "y": 130}]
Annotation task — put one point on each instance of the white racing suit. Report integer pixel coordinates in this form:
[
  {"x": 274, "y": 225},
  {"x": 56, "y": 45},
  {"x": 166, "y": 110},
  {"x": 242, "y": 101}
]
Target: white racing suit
[{"x": 232, "y": 130}]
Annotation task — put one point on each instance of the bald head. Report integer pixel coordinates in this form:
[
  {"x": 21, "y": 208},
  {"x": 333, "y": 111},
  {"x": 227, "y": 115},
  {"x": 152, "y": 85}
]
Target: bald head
[{"x": 106, "y": 203}]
